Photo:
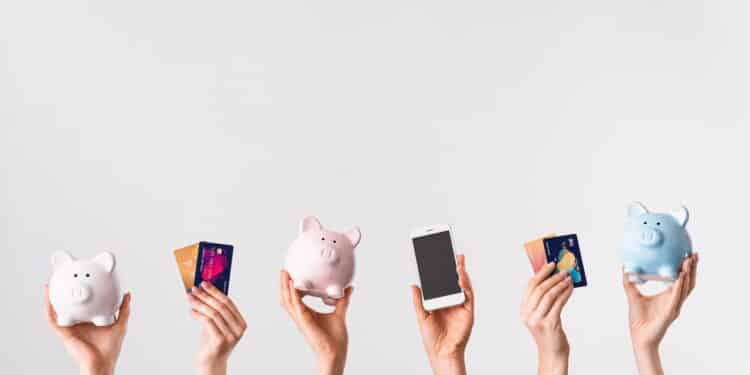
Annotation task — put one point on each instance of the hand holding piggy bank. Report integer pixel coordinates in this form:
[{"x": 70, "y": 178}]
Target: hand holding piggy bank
[
  {"x": 321, "y": 261},
  {"x": 655, "y": 244},
  {"x": 84, "y": 290}
]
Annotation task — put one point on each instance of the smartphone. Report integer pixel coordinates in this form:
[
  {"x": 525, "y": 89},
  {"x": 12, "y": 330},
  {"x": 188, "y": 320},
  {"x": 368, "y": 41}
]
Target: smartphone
[{"x": 436, "y": 264}]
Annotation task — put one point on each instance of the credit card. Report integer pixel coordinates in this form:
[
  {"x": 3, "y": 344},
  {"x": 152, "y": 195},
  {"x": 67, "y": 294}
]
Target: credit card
[
  {"x": 535, "y": 252},
  {"x": 566, "y": 253},
  {"x": 214, "y": 264},
  {"x": 186, "y": 258}
]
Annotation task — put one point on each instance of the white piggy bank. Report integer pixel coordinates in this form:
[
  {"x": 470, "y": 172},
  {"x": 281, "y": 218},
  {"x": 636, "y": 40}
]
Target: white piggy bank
[
  {"x": 321, "y": 261},
  {"x": 84, "y": 290}
]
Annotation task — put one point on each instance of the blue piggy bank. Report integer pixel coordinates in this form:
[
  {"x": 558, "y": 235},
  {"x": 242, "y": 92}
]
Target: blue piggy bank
[{"x": 655, "y": 244}]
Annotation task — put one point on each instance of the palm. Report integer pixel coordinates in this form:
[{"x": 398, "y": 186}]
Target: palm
[
  {"x": 325, "y": 330},
  {"x": 447, "y": 330},
  {"x": 211, "y": 345},
  {"x": 650, "y": 315},
  {"x": 91, "y": 344}
]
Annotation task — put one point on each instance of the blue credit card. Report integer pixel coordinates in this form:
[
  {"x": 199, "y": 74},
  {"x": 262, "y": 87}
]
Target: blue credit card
[
  {"x": 214, "y": 264},
  {"x": 566, "y": 253}
]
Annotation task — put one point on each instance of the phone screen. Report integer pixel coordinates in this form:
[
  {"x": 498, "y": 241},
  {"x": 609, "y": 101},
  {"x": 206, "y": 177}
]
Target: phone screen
[{"x": 437, "y": 265}]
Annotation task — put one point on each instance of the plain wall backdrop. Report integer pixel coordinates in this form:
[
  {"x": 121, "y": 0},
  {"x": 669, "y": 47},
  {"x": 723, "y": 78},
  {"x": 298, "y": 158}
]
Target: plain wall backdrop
[{"x": 143, "y": 126}]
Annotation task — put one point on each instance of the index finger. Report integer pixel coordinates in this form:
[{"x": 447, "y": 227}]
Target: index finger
[
  {"x": 224, "y": 299},
  {"x": 539, "y": 277}
]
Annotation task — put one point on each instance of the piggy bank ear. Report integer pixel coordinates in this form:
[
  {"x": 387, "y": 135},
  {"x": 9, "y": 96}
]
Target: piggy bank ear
[
  {"x": 681, "y": 215},
  {"x": 354, "y": 236},
  {"x": 106, "y": 260},
  {"x": 636, "y": 209},
  {"x": 310, "y": 224},
  {"x": 60, "y": 258}
]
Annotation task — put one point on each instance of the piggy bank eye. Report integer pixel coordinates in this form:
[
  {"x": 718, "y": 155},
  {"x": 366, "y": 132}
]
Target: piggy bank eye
[
  {"x": 334, "y": 241},
  {"x": 658, "y": 223},
  {"x": 88, "y": 275},
  {"x": 322, "y": 238},
  {"x": 75, "y": 275},
  {"x": 645, "y": 222}
]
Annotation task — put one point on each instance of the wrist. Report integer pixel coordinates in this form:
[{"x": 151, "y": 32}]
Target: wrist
[
  {"x": 96, "y": 369},
  {"x": 448, "y": 363},
  {"x": 645, "y": 348},
  {"x": 553, "y": 353},
  {"x": 553, "y": 347},
  {"x": 561, "y": 351},
  {"x": 212, "y": 366}
]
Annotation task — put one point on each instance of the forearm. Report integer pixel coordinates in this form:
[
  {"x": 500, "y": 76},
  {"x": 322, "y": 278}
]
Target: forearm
[
  {"x": 451, "y": 365},
  {"x": 647, "y": 359},
  {"x": 331, "y": 365},
  {"x": 553, "y": 363}
]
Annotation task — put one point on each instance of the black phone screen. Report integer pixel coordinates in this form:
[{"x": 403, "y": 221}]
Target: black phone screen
[{"x": 437, "y": 265}]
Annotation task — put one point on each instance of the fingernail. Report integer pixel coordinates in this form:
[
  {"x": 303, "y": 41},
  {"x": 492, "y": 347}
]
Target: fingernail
[
  {"x": 193, "y": 290},
  {"x": 204, "y": 284}
]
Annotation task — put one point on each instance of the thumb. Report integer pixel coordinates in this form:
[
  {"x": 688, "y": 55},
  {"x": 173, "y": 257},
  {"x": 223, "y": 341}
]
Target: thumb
[
  {"x": 124, "y": 316},
  {"x": 630, "y": 290}
]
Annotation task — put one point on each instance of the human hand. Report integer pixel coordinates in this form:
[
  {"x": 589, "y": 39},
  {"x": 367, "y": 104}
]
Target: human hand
[
  {"x": 541, "y": 307},
  {"x": 445, "y": 332},
  {"x": 95, "y": 349},
  {"x": 223, "y": 327},
  {"x": 325, "y": 333},
  {"x": 651, "y": 316}
]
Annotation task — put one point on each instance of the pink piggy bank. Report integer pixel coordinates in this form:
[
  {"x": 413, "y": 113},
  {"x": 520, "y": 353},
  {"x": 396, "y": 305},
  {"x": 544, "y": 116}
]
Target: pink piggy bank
[
  {"x": 84, "y": 290},
  {"x": 321, "y": 261}
]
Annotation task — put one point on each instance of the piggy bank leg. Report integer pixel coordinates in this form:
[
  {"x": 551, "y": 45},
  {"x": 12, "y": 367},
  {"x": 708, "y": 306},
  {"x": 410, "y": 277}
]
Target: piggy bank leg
[
  {"x": 634, "y": 274},
  {"x": 103, "y": 320},
  {"x": 335, "y": 292},
  {"x": 667, "y": 272},
  {"x": 303, "y": 285},
  {"x": 65, "y": 321},
  {"x": 636, "y": 278}
]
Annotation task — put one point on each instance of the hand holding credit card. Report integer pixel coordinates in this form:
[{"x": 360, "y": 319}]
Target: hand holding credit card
[
  {"x": 564, "y": 251},
  {"x": 205, "y": 261}
]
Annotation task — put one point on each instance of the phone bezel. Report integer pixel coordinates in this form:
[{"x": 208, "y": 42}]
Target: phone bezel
[{"x": 446, "y": 300}]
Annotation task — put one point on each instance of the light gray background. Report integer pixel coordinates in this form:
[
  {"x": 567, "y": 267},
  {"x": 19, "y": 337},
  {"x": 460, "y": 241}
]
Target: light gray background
[{"x": 142, "y": 126}]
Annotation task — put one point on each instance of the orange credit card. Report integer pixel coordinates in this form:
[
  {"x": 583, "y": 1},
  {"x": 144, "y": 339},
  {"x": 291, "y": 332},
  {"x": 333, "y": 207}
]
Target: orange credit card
[
  {"x": 186, "y": 263},
  {"x": 535, "y": 252}
]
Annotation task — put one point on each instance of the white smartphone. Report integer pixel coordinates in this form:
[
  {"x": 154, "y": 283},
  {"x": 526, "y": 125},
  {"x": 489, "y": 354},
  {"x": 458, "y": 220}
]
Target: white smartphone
[{"x": 436, "y": 264}]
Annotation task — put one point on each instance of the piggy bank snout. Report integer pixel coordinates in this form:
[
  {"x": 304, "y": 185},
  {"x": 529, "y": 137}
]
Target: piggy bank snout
[
  {"x": 650, "y": 237},
  {"x": 329, "y": 254},
  {"x": 80, "y": 293}
]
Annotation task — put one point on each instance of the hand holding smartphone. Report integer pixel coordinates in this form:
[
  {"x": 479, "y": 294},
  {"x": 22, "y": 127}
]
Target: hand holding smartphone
[{"x": 436, "y": 264}]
